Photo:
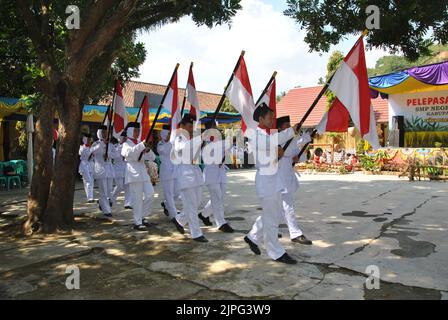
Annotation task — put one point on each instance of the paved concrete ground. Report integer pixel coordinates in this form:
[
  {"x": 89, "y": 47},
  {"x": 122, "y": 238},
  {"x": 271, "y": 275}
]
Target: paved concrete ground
[{"x": 355, "y": 221}]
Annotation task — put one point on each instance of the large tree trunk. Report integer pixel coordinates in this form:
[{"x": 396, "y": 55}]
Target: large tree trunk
[
  {"x": 43, "y": 166},
  {"x": 59, "y": 212}
]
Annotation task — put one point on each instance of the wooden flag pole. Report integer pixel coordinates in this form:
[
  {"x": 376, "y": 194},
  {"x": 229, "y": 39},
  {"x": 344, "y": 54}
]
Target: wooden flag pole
[
  {"x": 267, "y": 87},
  {"x": 151, "y": 130},
  {"x": 186, "y": 90},
  {"x": 223, "y": 97}
]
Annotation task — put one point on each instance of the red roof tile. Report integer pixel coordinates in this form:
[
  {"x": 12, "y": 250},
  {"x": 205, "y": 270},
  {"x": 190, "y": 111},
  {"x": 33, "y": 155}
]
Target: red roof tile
[
  {"x": 297, "y": 101},
  {"x": 207, "y": 101}
]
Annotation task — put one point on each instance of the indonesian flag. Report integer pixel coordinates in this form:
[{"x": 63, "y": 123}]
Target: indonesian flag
[
  {"x": 172, "y": 103},
  {"x": 350, "y": 85},
  {"x": 192, "y": 96},
  {"x": 120, "y": 115},
  {"x": 239, "y": 93},
  {"x": 336, "y": 119},
  {"x": 270, "y": 98},
  {"x": 143, "y": 119}
]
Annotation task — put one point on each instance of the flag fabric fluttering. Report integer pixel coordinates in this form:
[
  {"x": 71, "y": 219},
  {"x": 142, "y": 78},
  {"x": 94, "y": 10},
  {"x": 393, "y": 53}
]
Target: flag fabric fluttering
[
  {"x": 172, "y": 103},
  {"x": 239, "y": 93},
  {"x": 270, "y": 98},
  {"x": 336, "y": 119},
  {"x": 351, "y": 87},
  {"x": 192, "y": 97},
  {"x": 120, "y": 116},
  {"x": 143, "y": 119}
]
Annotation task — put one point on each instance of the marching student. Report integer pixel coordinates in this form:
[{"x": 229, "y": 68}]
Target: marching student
[
  {"x": 215, "y": 178},
  {"x": 268, "y": 185},
  {"x": 136, "y": 175},
  {"x": 290, "y": 180},
  {"x": 164, "y": 148},
  {"x": 119, "y": 168},
  {"x": 102, "y": 169},
  {"x": 85, "y": 168},
  {"x": 189, "y": 178}
]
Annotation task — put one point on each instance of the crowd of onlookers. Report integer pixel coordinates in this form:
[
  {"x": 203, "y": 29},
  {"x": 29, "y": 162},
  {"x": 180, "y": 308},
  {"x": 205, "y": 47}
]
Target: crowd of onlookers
[{"x": 340, "y": 157}]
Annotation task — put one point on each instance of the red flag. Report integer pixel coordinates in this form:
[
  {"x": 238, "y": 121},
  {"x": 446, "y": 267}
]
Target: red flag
[
  {"x": 270, "y": 98},
  {"x": 120, "y": 115},
  {"x": 350, "y": 85},
  {"x": 335, "y": 120},
  {"x": 239, "y": 93},
  {"x": 143, "y": 119},
  {"x": 192, "y": 95},
  {"x": 172, "y": 103}
]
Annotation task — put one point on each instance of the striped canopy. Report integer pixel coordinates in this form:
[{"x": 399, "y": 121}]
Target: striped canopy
[{"x": 433, "y": 77}]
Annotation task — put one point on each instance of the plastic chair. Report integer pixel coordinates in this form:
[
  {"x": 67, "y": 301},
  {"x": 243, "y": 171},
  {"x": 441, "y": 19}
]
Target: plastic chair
[{"x": 12, "y": 178}]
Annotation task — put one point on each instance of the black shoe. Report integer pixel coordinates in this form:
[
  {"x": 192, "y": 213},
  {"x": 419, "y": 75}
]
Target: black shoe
[
  {"x": 109, "y": 215},
  {"x": 205, "y": 221},
  {"x": 302, "y": 240},
  {"x": 201, "y": 239},
  {"x": 99, "y": 206},
  {"x": 147, "y": 224},
  {"x": 165, "y": 210},
  {"x": 279, "y": 236},
  {"x": 140, "y": 228},
  {"x": 91, "y": 201},
  {"x": 178, "y": 226},
  {"x": 226, "y": 228},
  {"x": 128, "y": 207},
  {"x": 286, "y": 258},
  {"x": 252, "y": 246}
]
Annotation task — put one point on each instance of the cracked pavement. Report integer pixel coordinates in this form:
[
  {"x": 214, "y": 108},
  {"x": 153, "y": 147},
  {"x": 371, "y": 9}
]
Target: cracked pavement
[{"x": 355, "y": 221}]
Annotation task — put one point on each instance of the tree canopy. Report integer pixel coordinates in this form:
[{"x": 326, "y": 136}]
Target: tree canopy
[{"x": 409, "y": 26}]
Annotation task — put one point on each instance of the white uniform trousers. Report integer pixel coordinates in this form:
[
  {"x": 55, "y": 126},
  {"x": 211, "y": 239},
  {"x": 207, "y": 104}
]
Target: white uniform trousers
[
  {"x": 265, "y": 227},
  {"x": 110, "y": 188},
  {"x": 169, "y": 195},
  {"x": 191, "y": 199},
  {"x": 289, "y": 215},
  {"x": 103, "y": 188},
  {"x": 142, "y": 193},
  {"x": 215, "y": 206},
  {"x": 119, "y": 187},
  {"x": 87, "y": 180}
]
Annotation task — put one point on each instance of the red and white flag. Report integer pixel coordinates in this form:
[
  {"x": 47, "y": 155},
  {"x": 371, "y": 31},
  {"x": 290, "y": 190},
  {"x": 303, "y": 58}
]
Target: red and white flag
[
  {"x": 270, "y": 98},
  {"x": 351, "y": 87},
  {"x": 239, "y": 93},
  {"x": 120, "y": 115},
  {"x": 192, "y": 96},
  {"x": 143, "y": 119},
  {"x": 336, "y": 119},
  {"x": 172, "y": 103}
]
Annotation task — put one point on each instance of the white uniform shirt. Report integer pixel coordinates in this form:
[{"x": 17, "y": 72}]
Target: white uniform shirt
[
  {"x": 267, "y": 179},
  {"x": 135, "y": 168},
  {"x": 119, "y": 165},
  {"x": 287, "y": 173},
  {"x": 215, "y": 173},
  {"x": 166, "y": 165},
  {"x": 101, "y": 169},
  {"x": 84, "y": 155},
  {"x": 188, "y": 175}
]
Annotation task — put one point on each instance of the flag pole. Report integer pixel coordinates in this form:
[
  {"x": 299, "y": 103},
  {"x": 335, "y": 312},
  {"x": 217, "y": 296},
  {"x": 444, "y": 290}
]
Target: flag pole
[
  {"x": 313, "y": 134},
  {"x": 110, "y": 127},
  {"x": 159, "y": 109},
  {"x": 185, "y": 94},
  {"x": 223, "y": 97},
  {"x": 267, "y": 87}
]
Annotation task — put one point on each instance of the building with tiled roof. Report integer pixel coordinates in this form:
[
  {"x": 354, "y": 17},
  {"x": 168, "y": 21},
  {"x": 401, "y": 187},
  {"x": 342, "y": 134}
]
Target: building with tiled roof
[
  {"x": 298, "y": 100},
  {"x": 134, "y": 92}
]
